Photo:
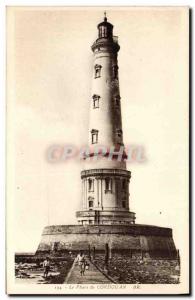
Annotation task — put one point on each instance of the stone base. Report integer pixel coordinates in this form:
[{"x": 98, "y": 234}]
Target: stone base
[{"x": 148, "y": 240}]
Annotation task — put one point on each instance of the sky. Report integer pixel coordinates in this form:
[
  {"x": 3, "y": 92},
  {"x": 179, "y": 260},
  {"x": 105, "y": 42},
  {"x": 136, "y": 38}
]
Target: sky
[{"x": 49, "y": 73}]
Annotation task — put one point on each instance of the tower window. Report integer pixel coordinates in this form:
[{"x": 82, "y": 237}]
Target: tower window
[
  {"x": 108, "y": 185},
  {"x": 102, "y": 32},
  {"x": 91, "y": 201},
  {"x": 117, "y": 100},
  {"x": 97, "y": 71},
  {"x": 91, "y": 185},
  {"x": 115, "y": 72},
  {"x": 96, "y": 99},
  {"x": 94, "y": 136},
  {"x": 124, "y": 184},
  {"x": 119, "y": 132},
  {"x": 124, "y": 204}
]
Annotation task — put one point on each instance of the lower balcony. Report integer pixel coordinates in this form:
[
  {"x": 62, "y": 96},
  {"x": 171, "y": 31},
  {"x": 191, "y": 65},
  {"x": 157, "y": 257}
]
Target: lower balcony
[{"x": 105, "y": 217}]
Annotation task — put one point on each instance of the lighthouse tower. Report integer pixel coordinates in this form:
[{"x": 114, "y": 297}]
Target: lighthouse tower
[
  {"x": 104, "y": 216},
  {"x": 105, "y": 180}
]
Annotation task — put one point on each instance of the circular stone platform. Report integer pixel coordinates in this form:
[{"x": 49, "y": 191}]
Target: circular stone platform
[{"x": 135, "y": 238}]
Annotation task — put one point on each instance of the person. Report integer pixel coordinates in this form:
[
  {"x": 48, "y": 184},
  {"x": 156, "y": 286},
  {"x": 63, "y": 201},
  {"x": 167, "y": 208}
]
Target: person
[
  {"x": 46, "y": 266},
  {"x": 81, "y": 262}
]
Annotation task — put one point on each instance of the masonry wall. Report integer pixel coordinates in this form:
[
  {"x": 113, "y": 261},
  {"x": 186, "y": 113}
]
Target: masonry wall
[{"x": 130, "y": 238}]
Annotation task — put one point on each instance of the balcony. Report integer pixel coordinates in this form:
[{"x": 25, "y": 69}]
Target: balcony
[
  {"x": 106, "y": 42},
  {"x": 102, "y": 172},
  {"x": 109, "y": 214}
]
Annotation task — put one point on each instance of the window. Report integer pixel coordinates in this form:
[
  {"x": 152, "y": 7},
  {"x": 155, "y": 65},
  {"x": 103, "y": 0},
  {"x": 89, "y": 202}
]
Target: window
[
  {"x": 91, "y": 185},
  {"x": 94, "y": 136},
  {"x": 117, "y": 100},
  {"x": 108, "y": 185},
  {"x": 97, "y": 71},
  {"x": 96, "y": 99},
  {"x": 90, "y": 202},
  {"x": 115, "y": 72},
  {"x": 124, "y": 204},
  {"x": 102, "y": 31},
  {"x": 124, "y": 184},
  {"x": 105, "y": 30},
  {"x": 119, "y": 132}
]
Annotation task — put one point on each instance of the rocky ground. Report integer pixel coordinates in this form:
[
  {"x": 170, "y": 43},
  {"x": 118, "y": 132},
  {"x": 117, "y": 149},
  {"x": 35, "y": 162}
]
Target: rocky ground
[
  {"x": 30, "y": 270},
  {"x": 121, "y": 269},
  {"x": 127, "y": 270}
]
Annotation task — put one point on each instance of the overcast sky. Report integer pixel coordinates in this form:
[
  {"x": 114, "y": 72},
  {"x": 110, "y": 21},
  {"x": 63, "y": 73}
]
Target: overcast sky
[{"x": 49, "y": 81}]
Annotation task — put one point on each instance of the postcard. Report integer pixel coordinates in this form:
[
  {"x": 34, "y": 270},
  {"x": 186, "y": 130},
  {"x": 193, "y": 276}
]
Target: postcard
[{"x": 97, "y": 150}]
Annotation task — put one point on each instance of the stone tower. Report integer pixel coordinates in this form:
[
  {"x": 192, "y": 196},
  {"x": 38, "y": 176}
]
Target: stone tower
[
  {"x": 105, "y": 180},
  {"x": 105, "y": 217}
]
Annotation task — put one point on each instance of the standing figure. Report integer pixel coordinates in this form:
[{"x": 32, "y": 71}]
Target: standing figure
[
  {"x": 46, "y": 266},
  {"x": 81, "y": 262}
]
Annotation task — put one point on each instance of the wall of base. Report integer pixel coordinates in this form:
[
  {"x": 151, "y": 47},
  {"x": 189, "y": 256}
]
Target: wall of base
[{"x": 135, "y": 238}]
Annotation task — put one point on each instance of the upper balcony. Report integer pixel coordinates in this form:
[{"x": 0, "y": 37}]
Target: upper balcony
[
  {"x": 109, "y": 43},
  {"x": 105, "y": 172}
]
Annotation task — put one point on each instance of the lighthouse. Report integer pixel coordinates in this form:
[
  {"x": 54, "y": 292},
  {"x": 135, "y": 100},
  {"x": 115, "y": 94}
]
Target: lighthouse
[
  {"x": 105, "y": 217},
  {"x": 105, "y": 180}
]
